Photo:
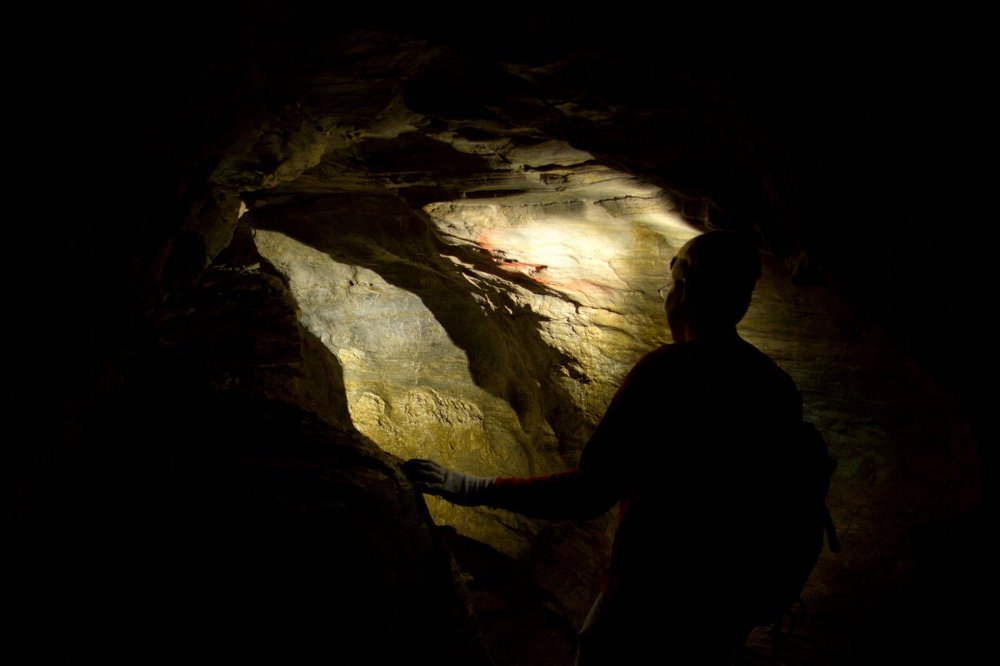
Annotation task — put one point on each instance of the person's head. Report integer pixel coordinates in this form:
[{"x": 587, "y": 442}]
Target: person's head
[{"x": 713, "y": 278}]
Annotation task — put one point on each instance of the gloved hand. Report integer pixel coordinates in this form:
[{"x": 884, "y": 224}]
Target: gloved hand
[{"x": 435, "y": 479}]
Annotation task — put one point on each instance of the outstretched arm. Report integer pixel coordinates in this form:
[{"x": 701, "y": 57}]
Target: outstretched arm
[
  {"x": 570, "y": 494},
  {"x": 607, "y": 471}
]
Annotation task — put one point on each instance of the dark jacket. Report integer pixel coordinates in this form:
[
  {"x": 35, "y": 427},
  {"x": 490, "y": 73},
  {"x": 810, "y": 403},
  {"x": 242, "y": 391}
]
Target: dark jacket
[{"x": 693, "y": 447}]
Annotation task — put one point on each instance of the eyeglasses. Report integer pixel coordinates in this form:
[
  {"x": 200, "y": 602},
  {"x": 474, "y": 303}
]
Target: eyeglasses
[{"x": 662, "y": 291}]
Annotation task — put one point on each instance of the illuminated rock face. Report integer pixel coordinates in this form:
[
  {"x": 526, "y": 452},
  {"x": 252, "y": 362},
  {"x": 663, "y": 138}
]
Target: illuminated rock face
[
  {"x": 225, "y": 505},
  {"x": 497, "y": 351},
  {"x": 486, "y": 286},
  {"x": 482, "y": 283}
]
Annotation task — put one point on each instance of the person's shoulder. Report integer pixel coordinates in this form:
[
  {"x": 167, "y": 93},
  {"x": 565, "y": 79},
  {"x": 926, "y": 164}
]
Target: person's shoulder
[
  {"x": 668, "y": 357},
  {"x": 667, "y": 353},
  {"x": 762, "y": 357},
  {"x": 655, "y": 371},
  {"x": 769, "y": 367}
]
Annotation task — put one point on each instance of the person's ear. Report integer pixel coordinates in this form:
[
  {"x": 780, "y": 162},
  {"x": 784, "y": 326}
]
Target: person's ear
[{"x": 680, "y": 290}]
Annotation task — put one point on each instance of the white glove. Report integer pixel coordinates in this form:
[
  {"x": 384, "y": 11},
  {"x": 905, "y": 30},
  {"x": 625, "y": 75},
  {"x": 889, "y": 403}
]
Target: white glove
[{"x": 435, "y": 479}]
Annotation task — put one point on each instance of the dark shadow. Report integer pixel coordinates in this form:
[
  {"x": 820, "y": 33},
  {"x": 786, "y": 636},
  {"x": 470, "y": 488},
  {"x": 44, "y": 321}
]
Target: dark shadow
[
  {"x": 522, "y": 624},
  {"x": 206, "y": 511}
]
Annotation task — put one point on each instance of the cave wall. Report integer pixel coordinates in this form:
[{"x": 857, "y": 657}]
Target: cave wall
[
  {"x": 409, "y": 144},
  {"x": 222, "y": 504}
]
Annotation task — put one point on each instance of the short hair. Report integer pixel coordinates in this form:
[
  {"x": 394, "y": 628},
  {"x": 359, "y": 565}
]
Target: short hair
[{"x": 720, "y": 270}]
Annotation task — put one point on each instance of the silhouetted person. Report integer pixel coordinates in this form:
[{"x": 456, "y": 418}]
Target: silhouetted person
[{"x": 692, "y": 449}]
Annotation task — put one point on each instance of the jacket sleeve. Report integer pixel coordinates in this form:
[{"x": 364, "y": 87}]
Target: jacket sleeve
[
  {"x": 568, "y": 495},
  {"x": 606, "y": 473}
]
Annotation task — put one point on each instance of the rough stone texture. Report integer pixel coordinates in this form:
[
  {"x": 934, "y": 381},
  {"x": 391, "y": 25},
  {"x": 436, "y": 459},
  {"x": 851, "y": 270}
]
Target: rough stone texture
[
  {"x": 905, "y": 452},
  {"x": 434, "y": 162},
  {"x": 224, "y": 506},
  {"x": 408, "y": 386},
  {"x": 568, "y": 267},
  {"x": 486, "y": 287}
]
